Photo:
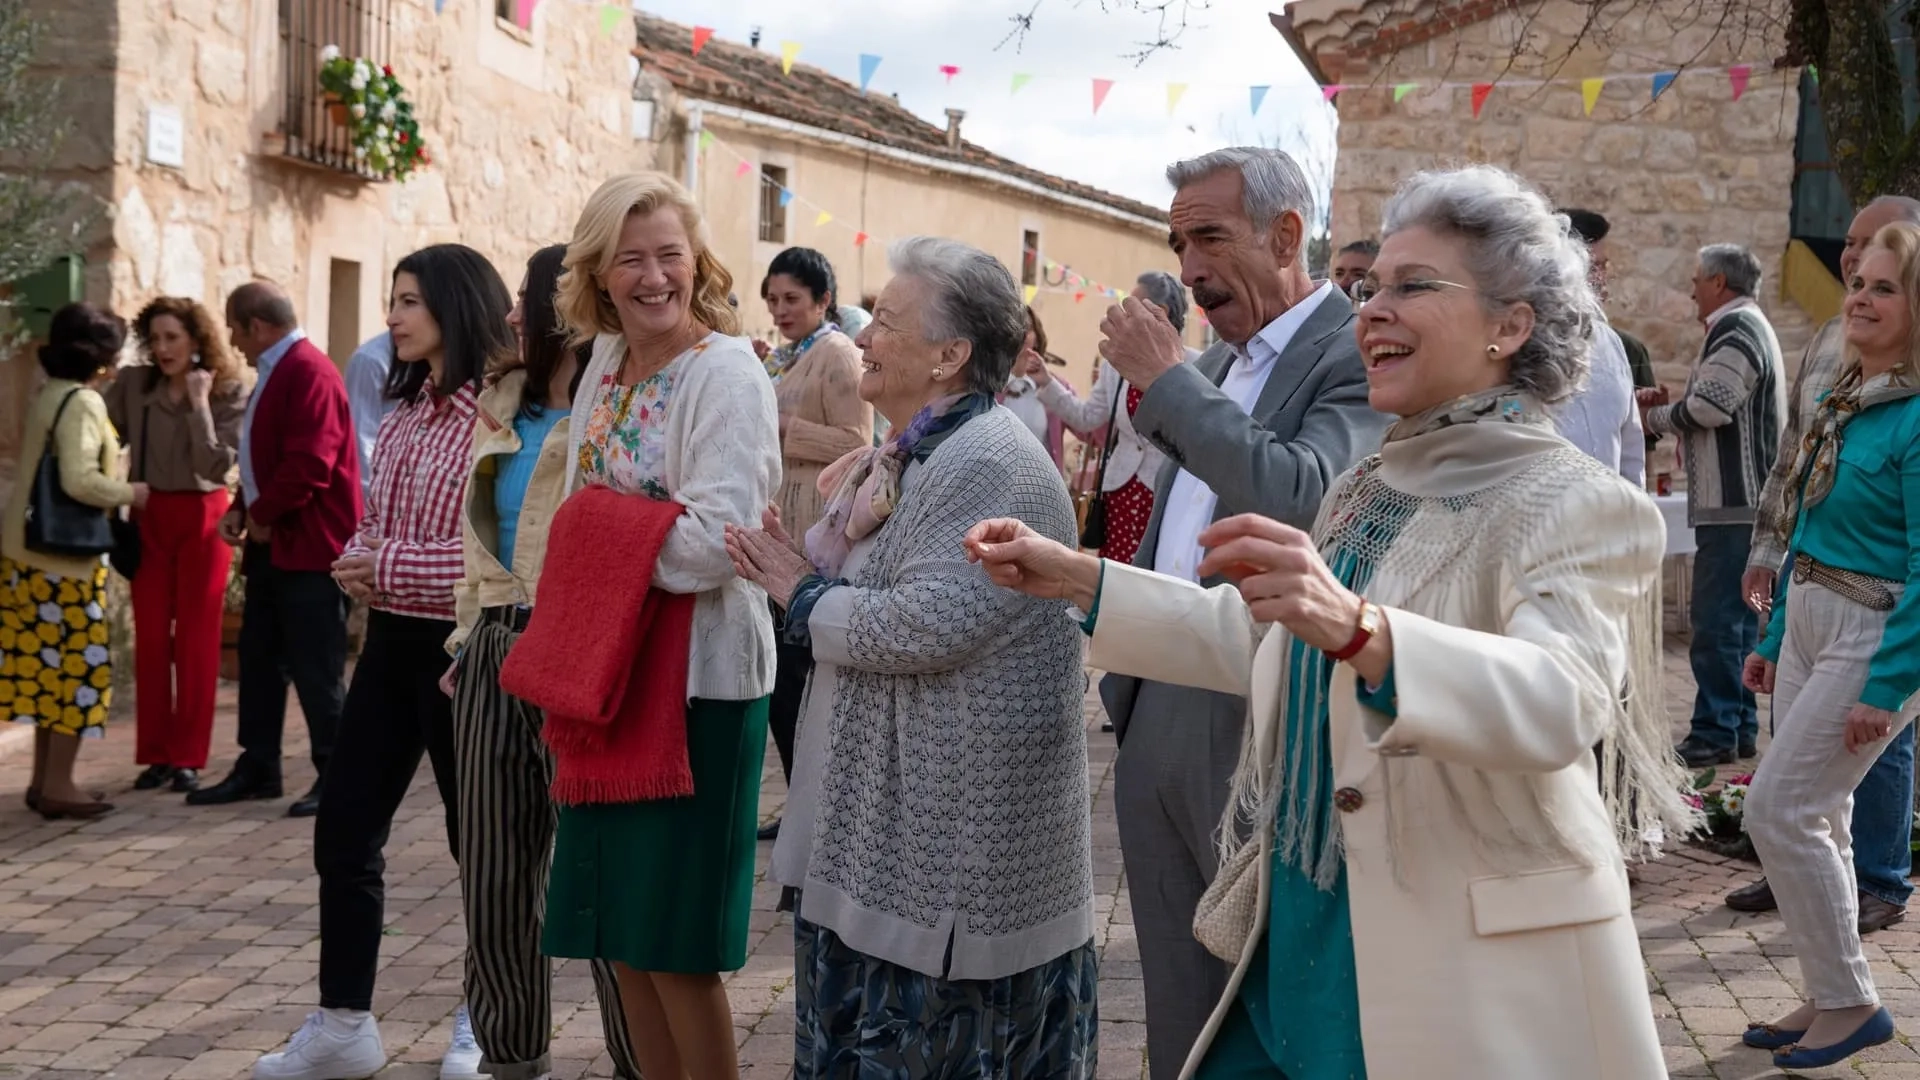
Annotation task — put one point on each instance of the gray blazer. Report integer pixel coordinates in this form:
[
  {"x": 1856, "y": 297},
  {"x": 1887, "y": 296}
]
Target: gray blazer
[{"x": 1310, "y": 424}]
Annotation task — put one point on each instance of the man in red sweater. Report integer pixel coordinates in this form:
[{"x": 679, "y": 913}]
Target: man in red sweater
[{"x": 299, "y": 505}]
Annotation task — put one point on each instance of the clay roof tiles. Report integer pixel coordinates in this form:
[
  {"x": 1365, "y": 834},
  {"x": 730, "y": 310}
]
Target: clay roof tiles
[{"x": 747, "y": 78}]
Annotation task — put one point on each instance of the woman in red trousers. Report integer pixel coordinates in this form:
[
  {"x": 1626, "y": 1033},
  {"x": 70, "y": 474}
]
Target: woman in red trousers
[{"x": 179, "y": 415}]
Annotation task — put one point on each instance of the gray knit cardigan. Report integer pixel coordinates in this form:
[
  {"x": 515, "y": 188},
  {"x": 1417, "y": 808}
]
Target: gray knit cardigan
[{"x": 952, "y": 835}]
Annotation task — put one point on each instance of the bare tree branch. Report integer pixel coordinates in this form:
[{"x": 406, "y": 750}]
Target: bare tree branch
[{"x": 1171, "y": 20}]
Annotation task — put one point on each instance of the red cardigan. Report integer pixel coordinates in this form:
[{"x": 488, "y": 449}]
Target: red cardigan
[{"x": 305, "y": 462}]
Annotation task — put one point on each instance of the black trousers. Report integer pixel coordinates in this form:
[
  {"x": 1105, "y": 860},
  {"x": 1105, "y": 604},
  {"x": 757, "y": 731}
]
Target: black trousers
[
  {"x": 394, "y": 712},
  {"x": 294, "y": 628},
  {"x": 792, "y": 665}
]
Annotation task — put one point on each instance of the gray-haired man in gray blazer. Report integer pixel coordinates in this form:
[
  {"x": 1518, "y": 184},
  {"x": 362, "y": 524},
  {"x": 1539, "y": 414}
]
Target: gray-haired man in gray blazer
[{"x": 1261, "y": 423}]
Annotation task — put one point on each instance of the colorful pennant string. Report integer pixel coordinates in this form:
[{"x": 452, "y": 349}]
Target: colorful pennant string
[
  {"x": 701, "y": 35},
  {"x": 1019, "y": 80},
  {"x": 1738, "y": 75},
  {"x": 1480, "y": 92},
  {"x": 1590, "y": 92},
  {"x": 869, "y": 63},
  {"x": 789, "y": 52},
  {"x": 1175, "y": 91},
  {"x": 949, "y": 70},
  {"x": 1402, "y": 90},
  {"x": 1661, "y": 81},
  {"x": 1259, "y": 95},
  {"x": 1101, "y": 87},
  {"x": 610, "y": 16}
]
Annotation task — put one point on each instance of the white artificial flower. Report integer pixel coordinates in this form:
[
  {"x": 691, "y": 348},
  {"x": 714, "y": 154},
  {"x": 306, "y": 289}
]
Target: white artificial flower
[
  {"x": 358, "y": 110},
  {"x": 387, "y": 111},
  {"x": 362, "y": 69},
  {"x": 329, "y": 54},
  {"x": 359, "y": 151},
  {"x": 382, "y": 134},
  {"x": 359, "y": 81}
]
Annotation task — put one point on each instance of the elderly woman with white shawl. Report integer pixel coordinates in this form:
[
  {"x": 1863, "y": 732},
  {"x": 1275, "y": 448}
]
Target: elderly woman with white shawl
[{"x": 1422, "y": 872}]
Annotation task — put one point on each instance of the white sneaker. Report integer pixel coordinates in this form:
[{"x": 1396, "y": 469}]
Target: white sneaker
[
  {"x": 463, "y": 1054},
  {"x": 331, "y": 1045}
]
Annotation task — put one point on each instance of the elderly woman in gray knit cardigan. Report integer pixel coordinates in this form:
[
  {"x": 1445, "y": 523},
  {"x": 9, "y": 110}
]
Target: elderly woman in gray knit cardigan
[{"x": 937, "y": 827}]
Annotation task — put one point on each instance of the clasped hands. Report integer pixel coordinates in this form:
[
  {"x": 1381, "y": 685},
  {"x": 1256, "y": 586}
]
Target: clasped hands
[
  {"x": 355, "y": 573},
  {"x": 1276, "y": 567},
  {"x": 768, "y": 557}
]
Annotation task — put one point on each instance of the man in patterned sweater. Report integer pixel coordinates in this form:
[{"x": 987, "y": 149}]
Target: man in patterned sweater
[{"x": 1728, "y": 421}]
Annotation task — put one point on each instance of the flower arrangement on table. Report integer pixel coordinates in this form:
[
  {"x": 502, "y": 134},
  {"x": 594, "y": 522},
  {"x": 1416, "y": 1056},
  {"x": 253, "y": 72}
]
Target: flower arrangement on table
[{"x": 372, "y": 105}]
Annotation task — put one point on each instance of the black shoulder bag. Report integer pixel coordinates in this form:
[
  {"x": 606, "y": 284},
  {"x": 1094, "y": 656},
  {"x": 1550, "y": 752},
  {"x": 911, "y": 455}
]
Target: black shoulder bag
[
  {"x": 57, "y": 523},
  {"x": 1094, "y": 533},
  {"x": 125, "y": 556}
]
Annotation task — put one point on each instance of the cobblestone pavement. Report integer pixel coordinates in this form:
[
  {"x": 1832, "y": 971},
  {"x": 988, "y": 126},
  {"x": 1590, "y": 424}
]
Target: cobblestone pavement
[{"x": 168, "y": 942}]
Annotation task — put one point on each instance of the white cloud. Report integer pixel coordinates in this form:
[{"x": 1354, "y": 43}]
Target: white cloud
[{"x": 1050, "y": 124}]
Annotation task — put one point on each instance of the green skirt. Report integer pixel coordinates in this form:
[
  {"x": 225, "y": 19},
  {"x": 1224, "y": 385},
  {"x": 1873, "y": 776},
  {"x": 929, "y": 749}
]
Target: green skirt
[{"x": 667, "y": 885}]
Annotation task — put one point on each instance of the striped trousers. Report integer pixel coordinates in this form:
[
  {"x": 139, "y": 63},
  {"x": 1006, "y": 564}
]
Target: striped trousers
[{"x": 506, "y": 843}]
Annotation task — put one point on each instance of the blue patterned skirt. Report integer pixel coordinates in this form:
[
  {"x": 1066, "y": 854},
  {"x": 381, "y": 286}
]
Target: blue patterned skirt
[{"x": 861, "y": 1018}]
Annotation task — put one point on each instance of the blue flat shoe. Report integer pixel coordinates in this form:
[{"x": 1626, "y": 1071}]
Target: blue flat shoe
[
  {"x": 1768, "y": 1037},
  {"x": 1878, "y": 1029}
]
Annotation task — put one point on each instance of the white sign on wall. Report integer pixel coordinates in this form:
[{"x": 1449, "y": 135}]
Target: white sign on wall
[{"x": 166, "y": 136}]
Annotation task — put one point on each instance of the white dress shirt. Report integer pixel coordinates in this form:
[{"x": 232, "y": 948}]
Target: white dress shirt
[
  {"x": 249, "y": 489},
  {"x": 1603, "y": 420},
  {"x": 367, "y": 398},
  {"x": 1190, "y": 502}
]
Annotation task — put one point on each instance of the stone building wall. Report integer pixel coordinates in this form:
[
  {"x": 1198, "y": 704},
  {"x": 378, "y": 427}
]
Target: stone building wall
[
  {"x": 1672, "y": 175},
  {"x": 521, "y": 127}
]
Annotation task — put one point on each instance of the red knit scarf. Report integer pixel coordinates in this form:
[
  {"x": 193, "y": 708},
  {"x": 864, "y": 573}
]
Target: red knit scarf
[{"x": 605, "y": 653}]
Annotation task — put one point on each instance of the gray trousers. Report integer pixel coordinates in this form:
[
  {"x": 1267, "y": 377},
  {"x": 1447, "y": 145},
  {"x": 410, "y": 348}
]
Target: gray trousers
[{"x": 1170, "y": 787}]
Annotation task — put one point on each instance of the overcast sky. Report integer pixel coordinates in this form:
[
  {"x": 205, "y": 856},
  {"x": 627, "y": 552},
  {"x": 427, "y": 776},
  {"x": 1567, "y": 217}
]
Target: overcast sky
[{"x": 1049, "y": 124}]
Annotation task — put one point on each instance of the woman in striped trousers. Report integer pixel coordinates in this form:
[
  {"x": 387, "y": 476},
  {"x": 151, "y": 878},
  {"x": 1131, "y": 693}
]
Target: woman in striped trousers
[{"x": 516, "y": 482}]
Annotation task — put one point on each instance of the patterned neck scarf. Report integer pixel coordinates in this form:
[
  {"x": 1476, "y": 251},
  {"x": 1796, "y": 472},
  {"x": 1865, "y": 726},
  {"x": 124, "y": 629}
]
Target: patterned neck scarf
[
  {"x": 1504, "y": 403},
  {"x": 863, "y": 488},
  {"x": 781, "y": 358},
  {"x": 1819, "y": 452}
]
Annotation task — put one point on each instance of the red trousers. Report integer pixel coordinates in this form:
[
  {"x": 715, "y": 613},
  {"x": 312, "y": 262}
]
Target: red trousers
[{"x": 178, "y": 597}]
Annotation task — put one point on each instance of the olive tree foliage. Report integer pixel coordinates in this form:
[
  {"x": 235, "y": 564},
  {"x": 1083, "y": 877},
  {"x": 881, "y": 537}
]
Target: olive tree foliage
[
  {"x": 40, "y": 220},
  {"x": 1848, "y": 43}
]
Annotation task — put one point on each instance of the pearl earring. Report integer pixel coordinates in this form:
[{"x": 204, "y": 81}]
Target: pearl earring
[
  {"x": 1493, "y": 350},
  {"x": 939, "y": 373}
]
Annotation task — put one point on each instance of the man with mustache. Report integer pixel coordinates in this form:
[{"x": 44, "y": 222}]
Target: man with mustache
[{"x": 1261, "y": 423}]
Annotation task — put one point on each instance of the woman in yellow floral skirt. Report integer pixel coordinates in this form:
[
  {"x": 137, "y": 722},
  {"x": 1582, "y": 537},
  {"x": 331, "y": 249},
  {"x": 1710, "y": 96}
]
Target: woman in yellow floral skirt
[{"x": 55, "y": 671}]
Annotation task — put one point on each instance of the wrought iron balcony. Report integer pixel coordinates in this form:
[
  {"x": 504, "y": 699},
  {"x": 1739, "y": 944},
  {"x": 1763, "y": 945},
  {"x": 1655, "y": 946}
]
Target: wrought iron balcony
[{"x": 308, "y": 133}]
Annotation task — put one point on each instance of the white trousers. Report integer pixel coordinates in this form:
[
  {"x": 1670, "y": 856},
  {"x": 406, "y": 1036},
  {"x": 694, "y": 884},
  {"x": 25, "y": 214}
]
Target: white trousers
[{"x": 1799, "y": 810}]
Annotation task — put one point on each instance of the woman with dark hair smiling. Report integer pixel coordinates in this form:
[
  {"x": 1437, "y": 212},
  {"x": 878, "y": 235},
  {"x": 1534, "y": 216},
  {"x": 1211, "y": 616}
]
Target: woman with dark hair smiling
[
  {"x": 180, "y": 412},
  {"x": 515, "y": 482},
  {"x": 448, "y": 318}
]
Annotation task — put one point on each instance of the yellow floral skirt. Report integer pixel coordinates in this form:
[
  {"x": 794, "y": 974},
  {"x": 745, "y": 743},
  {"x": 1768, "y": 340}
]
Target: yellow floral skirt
[{"x": 55, "y": 669}]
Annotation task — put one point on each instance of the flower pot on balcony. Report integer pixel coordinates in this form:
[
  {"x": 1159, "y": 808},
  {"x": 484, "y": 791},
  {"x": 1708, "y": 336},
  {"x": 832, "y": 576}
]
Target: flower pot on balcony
[{"x": 337, "y": 113}]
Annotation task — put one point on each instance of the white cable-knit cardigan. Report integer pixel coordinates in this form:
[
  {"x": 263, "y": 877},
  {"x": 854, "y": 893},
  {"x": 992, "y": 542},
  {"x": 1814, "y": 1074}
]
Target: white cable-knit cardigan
[{"x": 723, "y": 465}]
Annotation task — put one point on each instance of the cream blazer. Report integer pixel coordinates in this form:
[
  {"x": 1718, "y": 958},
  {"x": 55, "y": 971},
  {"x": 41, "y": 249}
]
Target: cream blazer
[{"x": 1467, "y": 970}]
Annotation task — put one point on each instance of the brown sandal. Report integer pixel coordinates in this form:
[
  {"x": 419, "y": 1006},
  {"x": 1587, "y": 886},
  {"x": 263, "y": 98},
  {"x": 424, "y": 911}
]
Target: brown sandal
[{"x": 55, "y": 809}]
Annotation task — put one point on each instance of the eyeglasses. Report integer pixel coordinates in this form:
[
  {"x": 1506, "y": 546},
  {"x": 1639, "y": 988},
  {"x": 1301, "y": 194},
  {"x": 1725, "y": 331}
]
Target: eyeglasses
[{"x": 1369, "y": 288}]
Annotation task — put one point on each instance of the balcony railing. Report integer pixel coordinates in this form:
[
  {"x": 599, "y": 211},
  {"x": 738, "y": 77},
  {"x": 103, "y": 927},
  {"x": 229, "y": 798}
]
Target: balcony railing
[{"x": 359, "y": 28}]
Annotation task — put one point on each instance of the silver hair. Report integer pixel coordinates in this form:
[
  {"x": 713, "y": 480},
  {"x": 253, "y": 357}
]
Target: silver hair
[
  {"x": 1733, "y": 263},
  {"x": 1272, "y": 180},
  {"x": 1909, "y": 208},
  {"x": 1165, "y": 289},
  {"x": 1518, "y": 251},
  {"x": 974, "y": 299}
]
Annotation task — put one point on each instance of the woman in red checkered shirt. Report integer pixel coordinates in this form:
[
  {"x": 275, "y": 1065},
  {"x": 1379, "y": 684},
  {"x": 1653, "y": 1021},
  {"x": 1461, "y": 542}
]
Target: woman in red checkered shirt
[{"x": 448, "y": 318}]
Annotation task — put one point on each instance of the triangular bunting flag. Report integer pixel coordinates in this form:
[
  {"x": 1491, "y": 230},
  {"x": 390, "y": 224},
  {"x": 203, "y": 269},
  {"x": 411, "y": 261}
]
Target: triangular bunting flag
[
  {"x": 785, "y": 196},
  {"x": 1590, "y": 92},
  {"x": 743, "y": 169},
  {"x": 1031, "y": 292},
  {"x": 1738, "y": 75},
  {"x": 822, "y": 219},
  {"x": 706, "y": 139},
  {"x": 438, "y": 6},
  {"x": 701, "y": 35},
  {"x": 859, "y": 239},
  {"x": 1814, "y": 74},
  {"x": 1403, "y": 90},
  {"x": 1259, "y": 95},
  {"x": 523, "y": 14},
  {"x": 1328, "y": 93},
  {"x": 1019, "y": 81},
  {"x": 1100, "y": 89},
  {"x": 949, "y": 70},
  {"x": 789, "y": 52},
  {"x": 1661, "y": 81},
  {"x": 610, "y": 17},
  {"x": 1480, "y": 92},
  {"x": 1079, "y": 296},
  {"x": 868, "y": 63},
  {"x": 1175, "y": 91}
]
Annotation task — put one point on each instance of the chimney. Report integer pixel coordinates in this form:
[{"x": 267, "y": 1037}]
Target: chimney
[{"x": 954, "y": 116}]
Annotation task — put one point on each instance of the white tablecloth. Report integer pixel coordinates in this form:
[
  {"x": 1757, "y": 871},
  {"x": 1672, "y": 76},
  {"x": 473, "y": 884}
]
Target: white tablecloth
[{"x": 1679, "y": 534}]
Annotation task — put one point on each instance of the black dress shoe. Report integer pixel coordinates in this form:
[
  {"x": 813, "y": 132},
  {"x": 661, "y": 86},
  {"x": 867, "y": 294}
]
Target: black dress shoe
[
  {"x": 1697, "y": 753},
  {"x": 237, "y": 787},
  {"x": 185, "y": 780},
  {"x": 153, "y": 777},
  {"x": 1755, "y": 897},
  {"x": 306, "y": 805},
  {"x": 1877, "y": 914},
  {"x": 1749, "y": 749},
  {"x": 769, "y": 831}
]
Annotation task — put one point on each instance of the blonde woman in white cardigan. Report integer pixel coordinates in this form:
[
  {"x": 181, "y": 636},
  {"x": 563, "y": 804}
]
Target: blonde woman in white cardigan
[
  {"x": 1430, "y": 883},
  {"x": 673, "y": 405}
]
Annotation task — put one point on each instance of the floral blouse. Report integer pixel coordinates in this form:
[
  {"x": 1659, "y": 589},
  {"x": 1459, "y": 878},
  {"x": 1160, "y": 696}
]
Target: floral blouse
[{"x": 625, "y": 445}]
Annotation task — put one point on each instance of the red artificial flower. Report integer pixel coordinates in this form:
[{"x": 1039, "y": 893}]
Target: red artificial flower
[
  {"x": 403, "y": 138},
  {"x": 387, "y": 70}
]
